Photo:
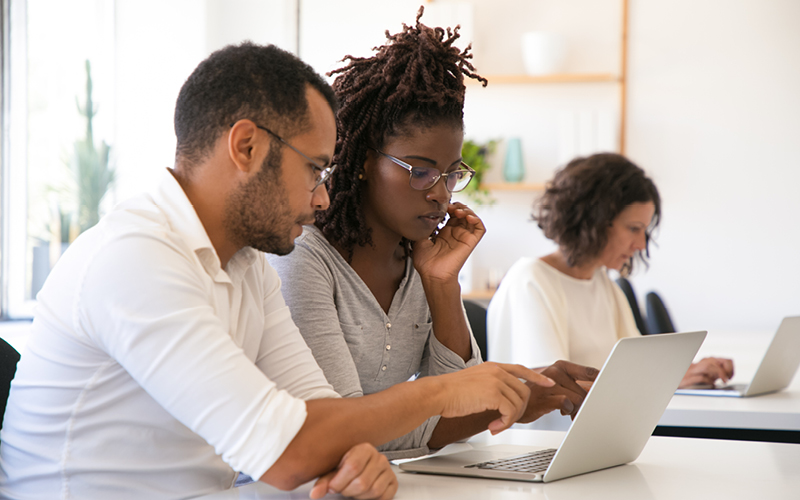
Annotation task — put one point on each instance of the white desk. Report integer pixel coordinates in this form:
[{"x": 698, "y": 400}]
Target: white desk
[
  {"x": 767, "y": 416},
  {"x": 668, "y": 469},
  {"x": 770, "y": 417}
]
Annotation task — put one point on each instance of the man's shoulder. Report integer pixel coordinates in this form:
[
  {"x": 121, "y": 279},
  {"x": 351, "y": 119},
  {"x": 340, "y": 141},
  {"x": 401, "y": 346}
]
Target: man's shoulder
[
  {"x": 140, "y": 213},
  {"x": 134, "y": 224}
]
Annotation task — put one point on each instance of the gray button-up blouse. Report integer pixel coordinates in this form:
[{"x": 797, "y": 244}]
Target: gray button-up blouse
[{"x": 360, "y": 348}]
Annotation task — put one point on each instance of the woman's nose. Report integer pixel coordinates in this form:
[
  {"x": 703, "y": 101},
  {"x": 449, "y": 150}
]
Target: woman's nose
[{"x": 439, "y": 192}]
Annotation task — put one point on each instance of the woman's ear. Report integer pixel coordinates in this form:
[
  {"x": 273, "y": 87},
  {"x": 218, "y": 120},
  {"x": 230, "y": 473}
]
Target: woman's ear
[{"x": 370, "y": 164}]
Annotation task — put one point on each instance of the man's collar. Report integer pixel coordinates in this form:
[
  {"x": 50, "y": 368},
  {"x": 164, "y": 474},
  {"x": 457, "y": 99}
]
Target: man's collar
[{"x": 183, "y": 219}]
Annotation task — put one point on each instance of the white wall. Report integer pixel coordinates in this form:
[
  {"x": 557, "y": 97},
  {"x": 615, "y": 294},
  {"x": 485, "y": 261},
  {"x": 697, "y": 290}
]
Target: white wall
[
  {"x": 714, "y": 116},
  {"x": 158, "y": 45}
]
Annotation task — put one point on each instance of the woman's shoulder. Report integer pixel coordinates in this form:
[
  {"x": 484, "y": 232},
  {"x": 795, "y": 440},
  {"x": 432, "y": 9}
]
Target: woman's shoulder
[
  {"x": 312, "y": 254},
  {"x": 312, "y": 240},
  {"x": 309, "y": 246},
  {"x": 533, "y": 269},
  {"x": 525, "y": 273},
  {"x": 524, "y": 266}
]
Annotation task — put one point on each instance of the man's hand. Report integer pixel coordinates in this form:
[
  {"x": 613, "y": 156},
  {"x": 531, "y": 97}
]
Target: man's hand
[
  {"x": 572, "y": 383},
  {"x": 362, "y": 473},
  {"x": 706, "y": 371},
  {"x": 490, "y": 386}
]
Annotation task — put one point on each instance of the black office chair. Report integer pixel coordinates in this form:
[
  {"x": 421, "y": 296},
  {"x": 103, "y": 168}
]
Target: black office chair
[
  {"x": 637, "y": 313},
  {"x": 476, "y": 315},
  {"x": 658, "y": 319},
  {"x": 8, "y": 367}
]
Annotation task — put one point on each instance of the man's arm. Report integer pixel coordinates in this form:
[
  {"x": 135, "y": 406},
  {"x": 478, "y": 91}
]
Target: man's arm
[
  {"x": 566, "y": 396},
  {"x": 334, "y": 426}
]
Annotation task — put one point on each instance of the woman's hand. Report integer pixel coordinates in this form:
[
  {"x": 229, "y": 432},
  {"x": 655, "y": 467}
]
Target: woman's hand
[
  {"x": 488, "y": 386},
  {"x": 572, "y": 384},
  {"x": 706, "y": 371},
  {"x": 441, "y": 258}
]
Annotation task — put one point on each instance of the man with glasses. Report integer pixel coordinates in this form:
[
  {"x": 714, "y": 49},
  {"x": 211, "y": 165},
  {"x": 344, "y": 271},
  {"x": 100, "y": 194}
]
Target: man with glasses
[{"x": 162, "y": 357}]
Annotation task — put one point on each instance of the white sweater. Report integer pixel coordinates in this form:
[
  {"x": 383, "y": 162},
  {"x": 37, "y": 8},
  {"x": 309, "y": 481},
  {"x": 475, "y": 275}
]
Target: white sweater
[{"x": 540, "y": 315}]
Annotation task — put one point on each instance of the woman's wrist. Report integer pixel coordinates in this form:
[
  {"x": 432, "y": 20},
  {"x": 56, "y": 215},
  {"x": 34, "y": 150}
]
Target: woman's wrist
[{"x": 436, "y": 285}]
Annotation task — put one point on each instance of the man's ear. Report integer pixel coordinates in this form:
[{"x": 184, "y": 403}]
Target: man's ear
[{"x": 244, "y": 146}]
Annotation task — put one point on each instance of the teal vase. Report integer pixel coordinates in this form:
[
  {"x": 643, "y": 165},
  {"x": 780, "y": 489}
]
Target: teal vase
[{"x": 514, "y": 167}]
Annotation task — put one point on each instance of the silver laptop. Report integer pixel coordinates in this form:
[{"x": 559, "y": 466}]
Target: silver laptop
[
  {"x": 612, "y": 426},
  {"x": 776, "y": 371}
]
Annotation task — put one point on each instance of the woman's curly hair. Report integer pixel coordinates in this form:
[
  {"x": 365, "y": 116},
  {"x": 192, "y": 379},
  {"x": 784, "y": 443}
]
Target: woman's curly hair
[
  {"x": 584, "y": 198},
  {"x": 416, "y": 78}
]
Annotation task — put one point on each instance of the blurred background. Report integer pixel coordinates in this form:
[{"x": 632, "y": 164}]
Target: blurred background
[{"x": 703, "y": 95}]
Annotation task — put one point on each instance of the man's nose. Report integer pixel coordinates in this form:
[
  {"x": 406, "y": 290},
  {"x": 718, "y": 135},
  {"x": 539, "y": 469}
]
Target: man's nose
[{"x": 321, "y": 199}]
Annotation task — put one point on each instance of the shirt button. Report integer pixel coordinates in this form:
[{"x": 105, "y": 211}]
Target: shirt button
[
  {"x": 383, "y": 368},
  {"x": 388, "y": 325},
  {"x": 388, "y": 347}
]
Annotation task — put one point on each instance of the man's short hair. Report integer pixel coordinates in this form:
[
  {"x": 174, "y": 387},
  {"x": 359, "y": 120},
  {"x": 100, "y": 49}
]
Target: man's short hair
[{"x": 262, "y": 83}]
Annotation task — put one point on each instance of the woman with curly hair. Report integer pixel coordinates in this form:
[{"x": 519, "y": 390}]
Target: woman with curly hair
[
  {"x": 600, "y": 211},
  {"x": 373, "y": 285}
]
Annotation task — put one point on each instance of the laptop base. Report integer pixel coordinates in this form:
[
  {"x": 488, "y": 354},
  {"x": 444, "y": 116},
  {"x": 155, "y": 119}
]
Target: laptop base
[{"x": 729, "y": 391}]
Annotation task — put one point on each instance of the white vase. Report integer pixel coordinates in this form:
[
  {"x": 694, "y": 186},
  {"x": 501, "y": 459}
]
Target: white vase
[{"x": 543, "y": 53}]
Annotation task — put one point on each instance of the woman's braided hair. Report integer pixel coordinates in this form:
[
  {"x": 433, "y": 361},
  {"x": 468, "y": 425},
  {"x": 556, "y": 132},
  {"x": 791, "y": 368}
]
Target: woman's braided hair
[{"x": 416, "y": 78}]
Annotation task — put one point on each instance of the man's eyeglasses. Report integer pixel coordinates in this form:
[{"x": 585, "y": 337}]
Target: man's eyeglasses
[
  {"x": 321, "y": 173},
  {"x": 424, "y": 178}
]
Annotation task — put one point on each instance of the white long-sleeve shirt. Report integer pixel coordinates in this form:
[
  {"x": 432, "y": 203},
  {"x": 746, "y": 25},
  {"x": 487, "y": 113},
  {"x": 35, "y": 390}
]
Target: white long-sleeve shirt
[
  {"x": 151, "y": 372},
  {"x": 540, "y": 315}
]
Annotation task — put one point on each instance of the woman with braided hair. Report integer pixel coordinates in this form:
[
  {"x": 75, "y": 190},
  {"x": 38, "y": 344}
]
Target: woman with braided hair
[{"x": 379, "y": 301}]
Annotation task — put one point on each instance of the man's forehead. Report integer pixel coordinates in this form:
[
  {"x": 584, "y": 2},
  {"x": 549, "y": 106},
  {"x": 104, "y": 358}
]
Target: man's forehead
[{"x": 321, "y": 120}]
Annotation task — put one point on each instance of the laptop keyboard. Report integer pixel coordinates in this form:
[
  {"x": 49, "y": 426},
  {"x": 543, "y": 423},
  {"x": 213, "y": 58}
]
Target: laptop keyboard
[{"x": 536, "y": 461}]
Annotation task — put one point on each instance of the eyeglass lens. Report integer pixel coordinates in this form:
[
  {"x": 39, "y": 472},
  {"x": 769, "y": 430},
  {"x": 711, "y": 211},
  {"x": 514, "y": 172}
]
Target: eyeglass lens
[
  {"x": 424, "y": 178},
  {"x": 323, "y": 175}
]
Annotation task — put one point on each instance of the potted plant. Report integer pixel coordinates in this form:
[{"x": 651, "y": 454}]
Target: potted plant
[
  {"x": 76, "y": 206},
  {"x": 475, "y": 155},
  {"x": 90, "y": 165}
]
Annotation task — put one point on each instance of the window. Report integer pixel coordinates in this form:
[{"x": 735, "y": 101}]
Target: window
[
  {"x": 140, "y": 53},
  {"x": 60, "y": 113}
]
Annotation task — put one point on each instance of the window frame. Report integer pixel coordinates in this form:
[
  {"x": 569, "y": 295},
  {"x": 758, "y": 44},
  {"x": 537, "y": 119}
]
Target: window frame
[{"x": 14, "y": 222}]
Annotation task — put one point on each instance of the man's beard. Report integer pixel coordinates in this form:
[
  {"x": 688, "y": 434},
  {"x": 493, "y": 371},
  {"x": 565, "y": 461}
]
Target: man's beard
[{"x": 258, "y": 213}]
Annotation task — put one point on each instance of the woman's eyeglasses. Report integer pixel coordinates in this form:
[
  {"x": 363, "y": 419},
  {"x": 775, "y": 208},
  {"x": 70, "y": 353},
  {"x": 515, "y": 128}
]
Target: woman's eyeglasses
[{"x": 424, "y": 178}]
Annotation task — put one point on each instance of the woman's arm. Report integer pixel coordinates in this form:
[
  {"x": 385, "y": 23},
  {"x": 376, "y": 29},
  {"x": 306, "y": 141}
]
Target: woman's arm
[{"x": 438, "y": 263}]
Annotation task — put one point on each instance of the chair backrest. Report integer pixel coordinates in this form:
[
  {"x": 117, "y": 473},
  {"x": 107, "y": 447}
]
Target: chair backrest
[
  {"x": 627, "y": 288},
  {"x": 658, "y": 320},
  {"x": 8, "y": 367},
  {"x": 476, "y": 315}
]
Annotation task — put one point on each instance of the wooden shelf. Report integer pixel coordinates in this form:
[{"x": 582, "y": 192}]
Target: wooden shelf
[
  {"x": 618, "y": 78},
  {"x": 478, "y": 294},
  {"x": 554, "y": 78},
  {"x": 514, "y": 186}
]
